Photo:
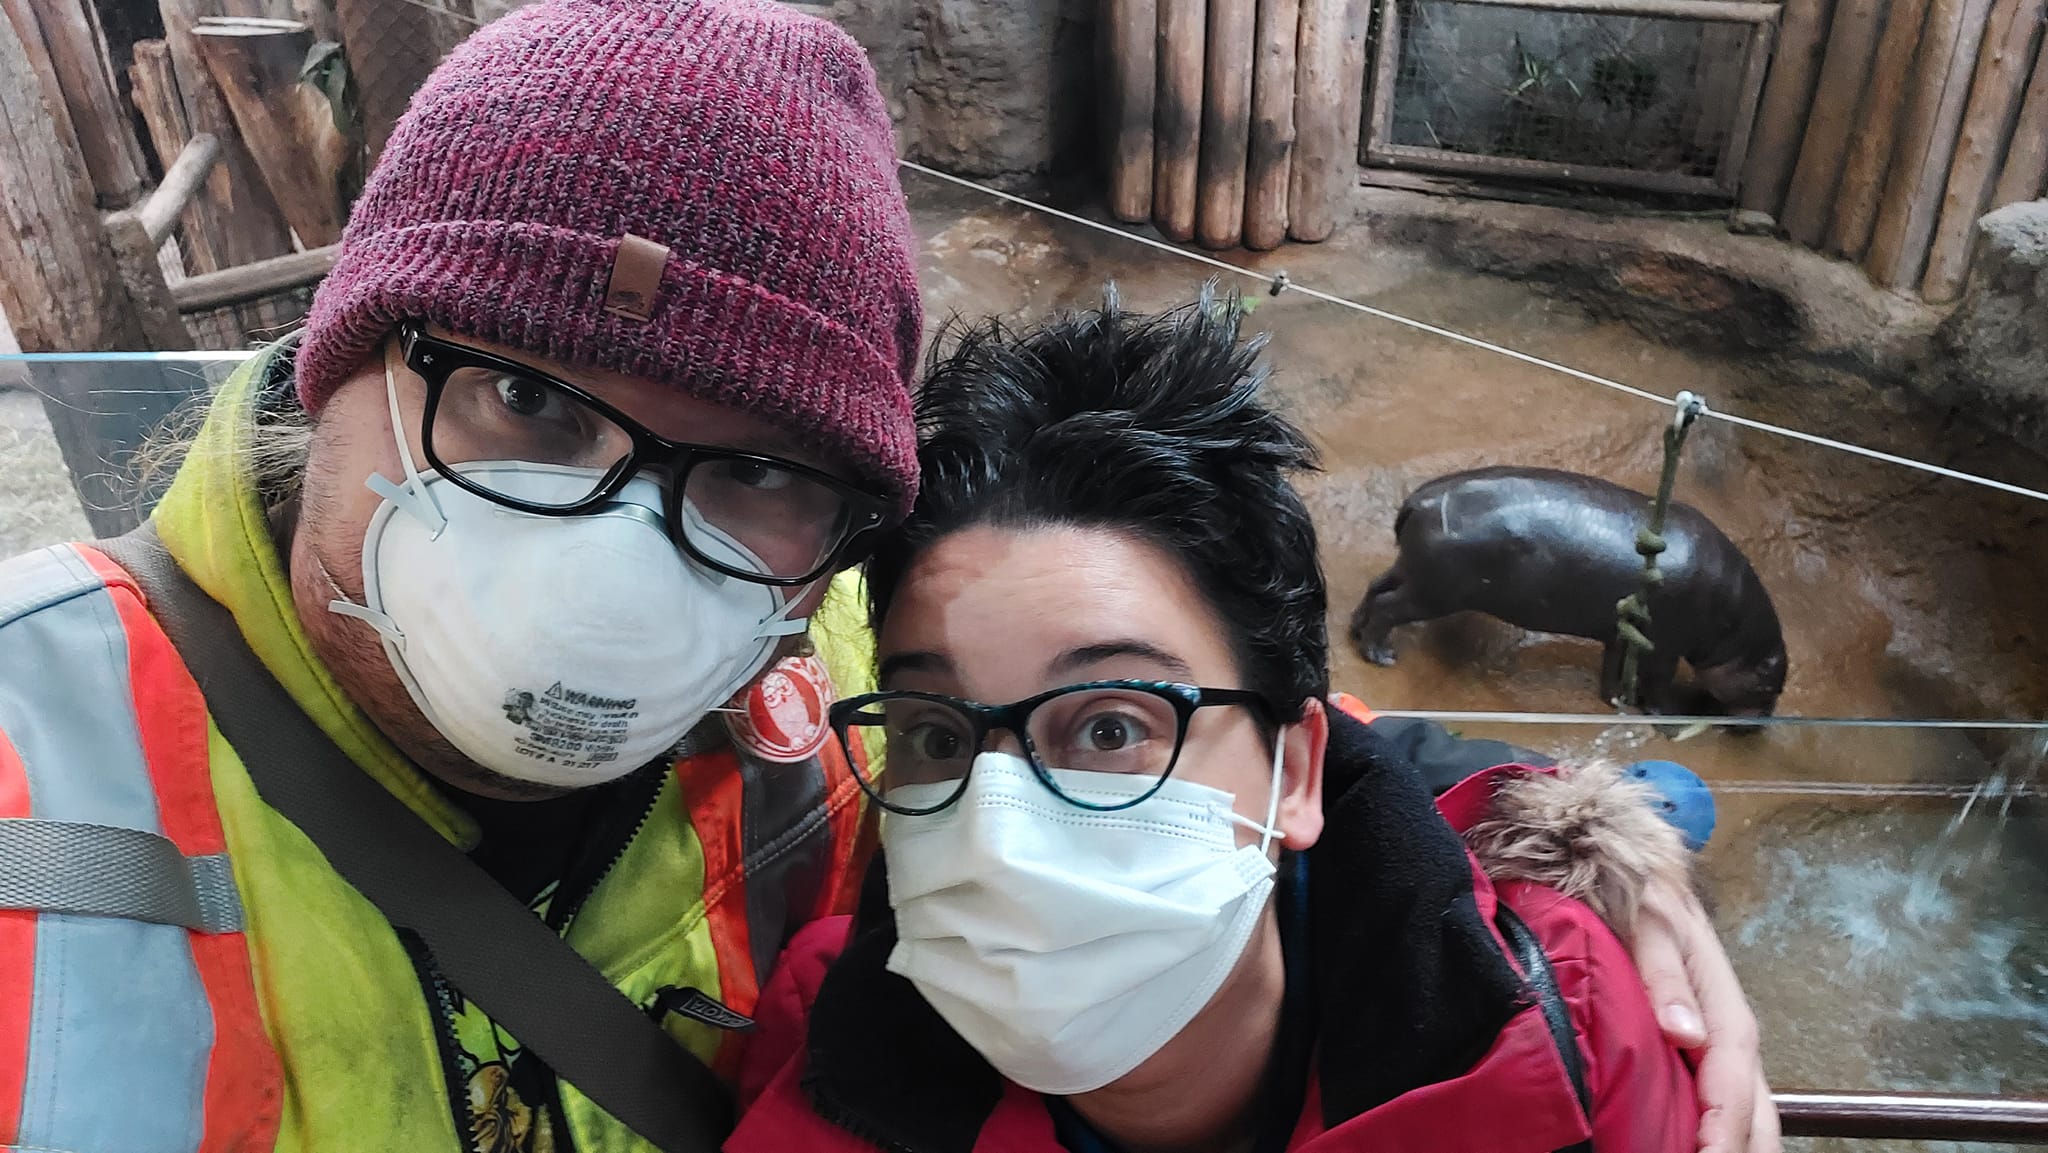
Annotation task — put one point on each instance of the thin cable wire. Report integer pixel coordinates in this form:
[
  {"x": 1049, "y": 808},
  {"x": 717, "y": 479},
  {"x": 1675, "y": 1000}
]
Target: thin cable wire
[
  {"x": 1475, "y": 342},
  {"x": 1724, "y": 786},
  {"x": 1451, "y": 716},
  {"x": 121, "y": 357}
]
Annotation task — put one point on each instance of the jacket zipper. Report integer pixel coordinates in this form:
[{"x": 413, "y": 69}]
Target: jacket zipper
[
  {"x": 569, "y": 898},
  {"x": 441, "y": 1000}
]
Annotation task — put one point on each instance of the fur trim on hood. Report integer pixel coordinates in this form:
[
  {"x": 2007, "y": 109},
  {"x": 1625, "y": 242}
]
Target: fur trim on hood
[{"x": 1587, "y": 831}]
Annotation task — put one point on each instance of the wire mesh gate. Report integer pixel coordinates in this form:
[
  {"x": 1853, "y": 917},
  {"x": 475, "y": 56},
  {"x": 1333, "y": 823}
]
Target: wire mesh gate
[{"x": 1656, "y": 95}]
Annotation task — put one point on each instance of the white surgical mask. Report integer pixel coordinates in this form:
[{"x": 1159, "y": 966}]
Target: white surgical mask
[
  {"x": 1068, "y": 945},
  {"x": 564, "y": 651}
]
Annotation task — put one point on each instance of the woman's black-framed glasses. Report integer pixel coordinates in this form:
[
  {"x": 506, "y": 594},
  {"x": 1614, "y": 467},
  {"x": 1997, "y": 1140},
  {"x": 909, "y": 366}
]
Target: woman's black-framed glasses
[
  {"x": 791, "y": 523},
  {"x": 1128, "y": 727}
]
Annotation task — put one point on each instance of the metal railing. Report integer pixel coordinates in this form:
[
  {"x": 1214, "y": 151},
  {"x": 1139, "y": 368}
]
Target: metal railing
[{"x": 1925, "y": 1116}]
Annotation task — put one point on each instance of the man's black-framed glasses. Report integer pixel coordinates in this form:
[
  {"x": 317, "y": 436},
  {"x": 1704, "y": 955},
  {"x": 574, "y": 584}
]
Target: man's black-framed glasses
[
  {"x": 791, "y": 523},
  {"x": 1129, "y": 727}
]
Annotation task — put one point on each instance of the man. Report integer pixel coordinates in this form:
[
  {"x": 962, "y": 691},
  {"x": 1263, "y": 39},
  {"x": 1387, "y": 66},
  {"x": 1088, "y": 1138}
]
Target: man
[{"x": 609, "y": 380}]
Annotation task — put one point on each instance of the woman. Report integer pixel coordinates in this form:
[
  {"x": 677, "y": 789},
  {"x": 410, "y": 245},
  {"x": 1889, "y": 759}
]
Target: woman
[{"x": 1144, "y": 889}]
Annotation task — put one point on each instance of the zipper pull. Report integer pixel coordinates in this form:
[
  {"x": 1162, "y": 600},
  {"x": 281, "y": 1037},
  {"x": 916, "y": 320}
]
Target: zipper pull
[{"x": 697, "y": 1005}]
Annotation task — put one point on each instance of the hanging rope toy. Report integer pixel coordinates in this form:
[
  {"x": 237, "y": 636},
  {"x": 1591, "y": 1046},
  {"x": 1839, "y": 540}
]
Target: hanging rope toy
[{"x": 1632, "y": 613}]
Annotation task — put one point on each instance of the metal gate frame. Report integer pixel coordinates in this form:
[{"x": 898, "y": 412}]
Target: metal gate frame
[{"x": 1380, "y": 150}]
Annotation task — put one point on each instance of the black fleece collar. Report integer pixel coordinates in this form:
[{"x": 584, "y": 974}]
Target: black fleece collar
[{"x": 1410, "y": 986}]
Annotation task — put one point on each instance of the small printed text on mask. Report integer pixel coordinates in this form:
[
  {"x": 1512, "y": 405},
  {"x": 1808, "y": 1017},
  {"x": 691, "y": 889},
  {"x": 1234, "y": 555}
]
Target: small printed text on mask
[{"x": 569, "y": 727}]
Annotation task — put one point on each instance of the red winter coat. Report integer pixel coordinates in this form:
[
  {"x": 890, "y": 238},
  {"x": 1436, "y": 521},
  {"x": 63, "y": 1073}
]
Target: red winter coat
[{"x": 1412, "y": 980}]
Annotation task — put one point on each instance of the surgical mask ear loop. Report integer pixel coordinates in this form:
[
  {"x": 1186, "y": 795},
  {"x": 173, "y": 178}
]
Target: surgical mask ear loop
[
  {"x": 1268, "y": 830},
  {"x": 1273, "y": 792},
  {"x": 413, "y": 497}
]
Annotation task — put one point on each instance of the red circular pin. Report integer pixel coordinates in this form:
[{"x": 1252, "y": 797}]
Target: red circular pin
[{"x": 783, "y": 717}]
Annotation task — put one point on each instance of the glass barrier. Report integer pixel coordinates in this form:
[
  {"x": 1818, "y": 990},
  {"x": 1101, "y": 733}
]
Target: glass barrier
[
  {"x": 1878, "y": 883},
  {"x": 93, "y": 432}
]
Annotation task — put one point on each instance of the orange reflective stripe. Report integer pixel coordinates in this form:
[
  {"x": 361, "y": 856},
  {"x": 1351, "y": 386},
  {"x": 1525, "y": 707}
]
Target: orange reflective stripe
[
  {"x": 172, "y": 717},
  {"x": 244, "y": 1081},
  {"x": 853, "y": 831},
  {"x": 713, "y": 794},
  {"x": 17, "y": 963},
  {"x": 1352, "y": 705}
]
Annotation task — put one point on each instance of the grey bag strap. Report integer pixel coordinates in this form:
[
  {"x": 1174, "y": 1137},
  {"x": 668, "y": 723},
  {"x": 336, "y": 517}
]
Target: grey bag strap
[
  {"x": 488, "y": 944},
  {"x": 107, "y": 871}
]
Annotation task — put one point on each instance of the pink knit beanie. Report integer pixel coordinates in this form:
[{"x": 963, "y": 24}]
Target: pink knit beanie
[{"x": 698, "y": 192}]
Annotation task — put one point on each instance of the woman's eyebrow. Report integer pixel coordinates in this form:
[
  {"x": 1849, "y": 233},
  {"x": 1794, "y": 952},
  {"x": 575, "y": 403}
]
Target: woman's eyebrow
[
  {"x": 911, "y": 662},
  {"x": 1085, "y": 655}
]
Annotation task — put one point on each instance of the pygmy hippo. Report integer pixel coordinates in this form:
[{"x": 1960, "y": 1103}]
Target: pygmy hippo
[{"x": 1555, "y": 552}]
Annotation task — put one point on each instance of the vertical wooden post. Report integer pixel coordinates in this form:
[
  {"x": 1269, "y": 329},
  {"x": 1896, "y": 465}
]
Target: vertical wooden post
[
  {"x": 1226, "y": 123},
  {"x": 58, "y": 280},
  {"x": 30, "y": 30},
  {"x": 1912, "y": 196},
  {"x": 2001, "y": 77},
  {"x": 1130, "y": 39},
  {"x": 286, "y": 125},
  {"x": 78, "y": 55},
  {"x": 1843, "y": 76},
  {"x": 1781, "y": 114},
  {"x": 1270, "y": 164},
  {"x": 153, "y": 81},
  {"x": 1183, "y": 33},
  {"x": 143, "y": 279},
  {"x": 60, "y": 286},
  {"x": 1329, "y": 87},
  {"x": 1876, "y": 132},
  {"x": 2026, "y": 164},
  {"x": 236, "y": 215}
]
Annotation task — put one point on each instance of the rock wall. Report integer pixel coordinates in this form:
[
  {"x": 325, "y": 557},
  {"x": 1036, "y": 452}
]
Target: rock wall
[
  {"x": 999, "y": 90},
  {"x": 1996, "y": 341}
]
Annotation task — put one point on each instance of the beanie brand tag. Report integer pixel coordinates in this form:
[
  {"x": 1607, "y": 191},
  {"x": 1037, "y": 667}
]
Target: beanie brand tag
[{"x": 636, "y": 277}]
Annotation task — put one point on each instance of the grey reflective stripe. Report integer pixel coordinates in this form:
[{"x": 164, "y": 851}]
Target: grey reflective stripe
[
  {"x": 120, "y": 1025},
  {"x": 786, "y": 850},
  {"x": 71, "y": 867}
]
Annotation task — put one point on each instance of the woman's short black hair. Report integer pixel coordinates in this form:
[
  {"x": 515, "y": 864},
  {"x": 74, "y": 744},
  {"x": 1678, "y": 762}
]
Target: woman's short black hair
[{"x": 1147, "y": 424}]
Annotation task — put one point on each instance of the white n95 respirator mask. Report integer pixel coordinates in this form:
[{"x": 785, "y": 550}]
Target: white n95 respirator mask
[
  {"x": 1068, "y": 945},
  {"x": 563, "y": 651}
]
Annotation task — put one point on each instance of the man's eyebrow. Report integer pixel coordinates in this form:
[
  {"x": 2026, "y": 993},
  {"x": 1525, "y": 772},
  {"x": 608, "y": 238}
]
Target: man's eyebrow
[
  {"x": 913, "y": 662},
  {"x": 1085, "y": 655}
]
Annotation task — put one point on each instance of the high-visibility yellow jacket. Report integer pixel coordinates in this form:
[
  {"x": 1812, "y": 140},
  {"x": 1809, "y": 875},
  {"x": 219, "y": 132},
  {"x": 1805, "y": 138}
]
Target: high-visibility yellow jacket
[{"x": 296, "y": 1018}]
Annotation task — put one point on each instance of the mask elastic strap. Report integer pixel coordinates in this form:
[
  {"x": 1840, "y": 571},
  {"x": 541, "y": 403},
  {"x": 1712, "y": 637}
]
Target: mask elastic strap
[
  {"x": 413, "y": 497},
  {"x": 385, "y": 626},
  {"x": 779, "y": 623},
  {"x": 341, "y": 606},
  {"x": 1268, "y": 830}
]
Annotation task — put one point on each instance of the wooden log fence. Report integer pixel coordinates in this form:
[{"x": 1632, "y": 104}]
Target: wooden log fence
[
  {"x": 1788, "y": 93},
  {"x": 1926, "y": 114},
  {"x": 77, "y": 53},
  {"x": 1232, "y": 122},
  {"x": 1876, "y": 131},
  {"x": 1852, "y": 43},
  {"x": 1270, "y": 162},
  {"x": 1329, "y": 71},
  {"x": 1884, "y": 129},
  {"x": 1987, "y": 125},
  {"x": 2026, "y": 164}
]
